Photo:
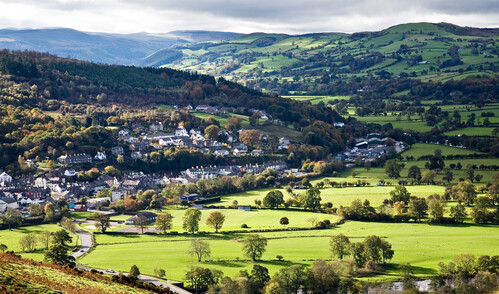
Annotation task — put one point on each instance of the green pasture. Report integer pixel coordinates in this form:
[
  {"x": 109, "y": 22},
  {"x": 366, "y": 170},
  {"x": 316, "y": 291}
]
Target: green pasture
[
  {"x": 11, "y": 239},
  {"x": 421, "y": 149},
  {"x": 397, "y": 122},
  {"x": 340, "y": 196},
  {"x": 254, "y": 219},
  {"x": 222, "y": 120},
  {"x": 422, "y": 245},
  {"x": 379, "y": 173},
  {"x": 472, "y": 131},
  {"x": 317, "y": 99}
]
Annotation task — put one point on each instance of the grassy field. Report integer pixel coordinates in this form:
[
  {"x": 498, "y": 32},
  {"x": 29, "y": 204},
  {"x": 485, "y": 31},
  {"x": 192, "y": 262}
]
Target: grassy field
[
  {"x": 255, "y": 219},
  {"x": 420, "y": 149},
  {"x": 222, "y": 120},
  {"x": 472, "y": 131},
  {"x": 317, "y": 99},
  {"x": 379, "y": 173},
  {"x": 421, "y": 245},
  {"x": 11, "y": 239},
  {"x": 337, "y": 196},
  {"x": 401, "y": 123}
]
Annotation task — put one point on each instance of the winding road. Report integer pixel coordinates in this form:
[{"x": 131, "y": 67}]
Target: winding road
[{"x": 87, "y": 244}]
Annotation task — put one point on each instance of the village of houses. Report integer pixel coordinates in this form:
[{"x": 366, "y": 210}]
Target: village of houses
[{"x": 61, "y": 183}]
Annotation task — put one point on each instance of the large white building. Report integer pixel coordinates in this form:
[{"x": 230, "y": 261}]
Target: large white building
[{"x": 5, "y": 178}]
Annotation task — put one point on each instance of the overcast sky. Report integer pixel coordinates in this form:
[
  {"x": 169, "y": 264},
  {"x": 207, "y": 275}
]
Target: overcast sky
[{"x": 244, "y": 16}]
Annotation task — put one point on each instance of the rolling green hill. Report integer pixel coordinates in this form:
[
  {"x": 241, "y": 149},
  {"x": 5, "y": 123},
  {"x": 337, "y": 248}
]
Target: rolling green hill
[{"x": 273, "y": 62}]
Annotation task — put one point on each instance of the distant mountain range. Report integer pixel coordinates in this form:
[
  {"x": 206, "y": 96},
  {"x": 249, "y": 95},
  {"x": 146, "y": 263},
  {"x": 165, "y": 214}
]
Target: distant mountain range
[
  {"x": 281, "y": 63},
  {"x": 127, "y": 49}
]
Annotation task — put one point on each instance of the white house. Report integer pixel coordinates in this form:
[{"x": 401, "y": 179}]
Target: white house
[
  {"x": 6, "y": 202},
  {"x": 67, "y": 173},
  {"x": 339, "y": 124},
  {"x": 5, "y": 178},
  {"x": 124, "y": 132},
  {"x": 181, "y": 132},
  {"x": 221, "y": 152},
  {"x": 283, "y": 143},
  {"x": 237, "y": 151},
  {"x": 100, "y": 156},
  {"x": 157, "y": 126}
]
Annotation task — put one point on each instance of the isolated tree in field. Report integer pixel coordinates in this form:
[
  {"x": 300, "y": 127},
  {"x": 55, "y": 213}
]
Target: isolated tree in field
[
  {"x": 12, "y": 218},
  {"x": 284, "y": 221},
  {"x": 191, "y": 219},
  {"x": 377, "y": 249},
  {"x": 159, "y": 272},
  {"x": 164, "y": 222},
  {"x": 215, "y": 220},
  {"x": 141, "y": 223},
  {"x": 61, "y": 237},
  {"x": 44, "y": 239},
  {"x": 3, "y": 247},
  {"x": 436, "y": 209},
  {"x": 35, "y": 209},
  {"x": 470, "y": 172},
  {"x": 254, "y": 246},
  {"x": 414, "y": 173},
  {"x": 465, "y": 192},
  {"x": 102, "y": 222},
  {"x": 392, "y": 169},
  {"x": 211, "y": 132},
  {"x": 418, "y": 208},
  {"x": 28, "y": 242},
  {"x": 458, "y": 213},
  {"x": 479, "y": 212},
  {"x": 134, "y": 272},
  {"x": 400, "y": 193},
  {"x": 448, "y": 175},
  {"x": 273, "y": 199},
  {"x": 312, "y": 220},
  {"x": 311, "y": 199},
  {"x": 339, "y": 245},
  {"x": 199, "y": 249},
  {"x": 436, "y": 161},
  {"x": 428, "y": 177}
]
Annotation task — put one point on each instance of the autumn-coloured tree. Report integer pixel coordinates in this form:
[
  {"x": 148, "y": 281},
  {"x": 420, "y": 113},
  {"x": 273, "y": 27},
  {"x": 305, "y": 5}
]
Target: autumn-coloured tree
[{"x": 250, "y": 137}]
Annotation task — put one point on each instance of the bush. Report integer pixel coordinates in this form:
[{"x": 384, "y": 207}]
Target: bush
[{"x": 244, "y": 226}]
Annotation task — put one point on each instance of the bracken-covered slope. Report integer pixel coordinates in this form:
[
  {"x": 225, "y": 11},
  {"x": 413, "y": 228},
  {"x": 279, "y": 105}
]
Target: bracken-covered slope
[
  {"x": 279, "y": 62},
  {"x": 18, "y": 275}
]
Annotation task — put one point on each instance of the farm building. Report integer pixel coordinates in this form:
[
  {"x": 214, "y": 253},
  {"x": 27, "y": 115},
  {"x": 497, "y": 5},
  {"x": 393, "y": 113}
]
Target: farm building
[{"x": 150, "y": 216}]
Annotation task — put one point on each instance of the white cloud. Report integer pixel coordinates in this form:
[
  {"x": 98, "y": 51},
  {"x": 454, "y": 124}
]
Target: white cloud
[{"x": 126, "y": 16}]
